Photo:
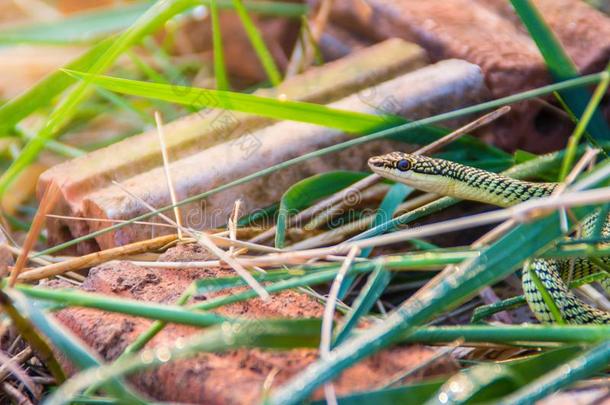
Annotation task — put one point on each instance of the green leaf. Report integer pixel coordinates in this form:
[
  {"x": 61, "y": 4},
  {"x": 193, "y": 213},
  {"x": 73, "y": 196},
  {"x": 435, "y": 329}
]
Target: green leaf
[
  {"x": 248, "y": 103},
  {"x": 491, "y": 381},
  {"x": 560, "y": 66},
  {"x": 584, "y": 365},
  {"x": 412, "y": 394},
  {"x": 380, "y": 278},
  {"x": 510, "y": 334},
  {"x": 587, "y": 115},
  {"x": 78, "y": 28},
  {"x": 149, "y": 310},
  {"x": 156, "y": 16},
  {"x": 70, "y": 346},
  {"x": 305, "y": 192},
  {"x": 220, "y": 71},
  {"x": 47, "y": 89},
  {"x": 258, "y": 44}
]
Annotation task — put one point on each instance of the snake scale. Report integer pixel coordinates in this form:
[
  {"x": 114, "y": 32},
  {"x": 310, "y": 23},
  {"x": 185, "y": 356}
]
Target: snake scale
[{"x": 456, "y": 180}]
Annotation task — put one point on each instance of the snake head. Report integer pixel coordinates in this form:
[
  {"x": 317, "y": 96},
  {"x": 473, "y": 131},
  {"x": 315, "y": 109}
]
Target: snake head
[
  {"x": 417, "y": 171},
  {"x": 395, "y": 163}
]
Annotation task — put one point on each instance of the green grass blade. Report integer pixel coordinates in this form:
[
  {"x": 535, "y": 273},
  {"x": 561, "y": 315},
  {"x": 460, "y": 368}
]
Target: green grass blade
[
  {"x": 595, "y": 359},
  {"x": 395, "y": 196},
  {"x": 485, "y": 311},
  {"x": 248, "y": 103},
  {"x": 149, "y": 310},
  {"x": 78, "y": 28},
  {"x": 489, "y": 382},
  {"x": 380, "y": 278},
  {"x": 258, "y": 44},
  {"x": 568, "y": 161},
  {"x": 156, "y": 16},
  {"x": 510, "y": 334},
  {"x": 65, "y": 341},
  {"x": 377, "y": 282},
  {"x": 47, "y": 89},
  {"x": 410, "y": 132},
  {"x": 303, "y": 193},
  {"x": 560, "y": 66},
  {"x": 494, "y": 263},
  {"x": 411, "y": 394},
  {"x": 546, "y": 297},
  {"x": 220, "y": 70}
]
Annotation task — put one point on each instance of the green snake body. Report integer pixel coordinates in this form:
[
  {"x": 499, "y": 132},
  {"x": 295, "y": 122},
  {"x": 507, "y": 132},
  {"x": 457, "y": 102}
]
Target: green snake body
[{"x": 464, "y": 182}]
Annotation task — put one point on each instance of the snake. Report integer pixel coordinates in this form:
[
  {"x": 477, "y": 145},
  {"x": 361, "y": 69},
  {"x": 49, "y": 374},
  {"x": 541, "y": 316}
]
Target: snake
[{"x": 456, "y": 180}]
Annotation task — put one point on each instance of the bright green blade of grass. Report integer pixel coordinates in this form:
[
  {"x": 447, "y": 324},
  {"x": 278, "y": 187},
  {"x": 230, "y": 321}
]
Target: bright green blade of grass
[
  {"x": 380, "y": 278},
  {"x": 353, "y": 122},
  {"x": 585, "y": 365},
  {"x": 256, "y": 39},
  {"x": 560, "y": 66},
  {"x": 410, "y": 132},
  {"x": 71, "y": 347},
  {"x": 509, "y": 334},
  {"x": 47, "y": 89},
  {"x": 394, "y": 197},
  {"x": 489, "y": 382},
  {"x": 377, "y": 282},
  {"x": 220, "y": 70},
  {"x": 149, "y": 310},
  {"x": 156, "y": 16},
  {"x": 248, "y": 103},
  {"x": 78, "y": 28},
  {"x": 411, "y": 394},
  {"x": 494, "y": 263},
  {"x": 91, "y": 25},
  {"x": 264, "y": 214},
  {"x": 574, "y": 140},
  {"x": 305, "y": 192}
]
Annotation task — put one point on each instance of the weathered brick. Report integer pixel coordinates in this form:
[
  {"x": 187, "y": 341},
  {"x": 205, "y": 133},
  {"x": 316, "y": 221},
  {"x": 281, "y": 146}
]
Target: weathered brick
[
  {"x": 78, "y": 178},
  {"x": 489, "y": 33}
]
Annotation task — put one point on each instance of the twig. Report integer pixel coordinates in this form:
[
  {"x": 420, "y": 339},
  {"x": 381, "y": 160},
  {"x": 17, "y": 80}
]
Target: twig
[
  {"x": 93, "y": 259},
  {"x": 46, "y": 204}
]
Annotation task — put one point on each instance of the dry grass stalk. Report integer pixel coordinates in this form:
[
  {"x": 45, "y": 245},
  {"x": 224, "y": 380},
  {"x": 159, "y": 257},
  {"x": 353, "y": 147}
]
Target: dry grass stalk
[
  {"x": 96, "y": 258},
  {"x": 232, "y": 224},
  {"x": 46, "y": 204},
  {"x": 13, "y": 364},
  {"x": 327, "y": 319},
  {"x": 168, "y": 177},
  {"x": 207, "y": 243},
  {"x": 109, "y": 220}
]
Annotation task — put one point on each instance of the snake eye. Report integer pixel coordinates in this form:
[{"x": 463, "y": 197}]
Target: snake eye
[{"x": 403, "y": 165}]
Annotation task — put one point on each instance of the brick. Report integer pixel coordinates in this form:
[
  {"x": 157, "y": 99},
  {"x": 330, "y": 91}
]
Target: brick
[
  {"x": 445, "y": 86},
  {"x": 203, "y": 378},
  {"x": 78, "y": 178},
  {"x": 489, "y": 34}
]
